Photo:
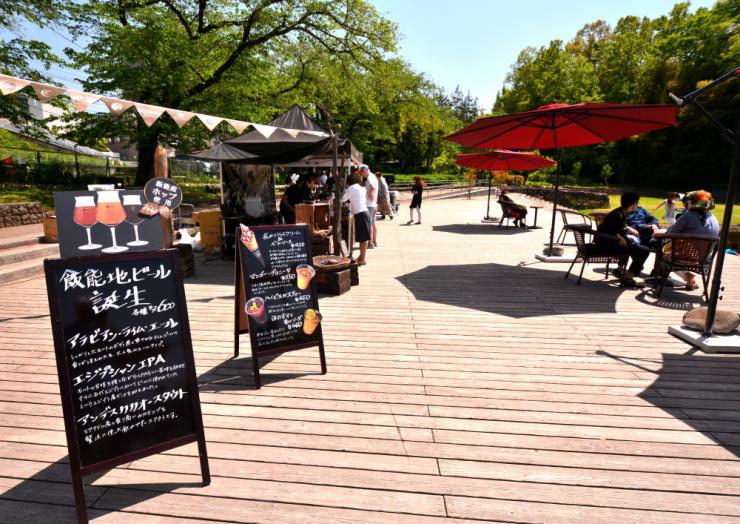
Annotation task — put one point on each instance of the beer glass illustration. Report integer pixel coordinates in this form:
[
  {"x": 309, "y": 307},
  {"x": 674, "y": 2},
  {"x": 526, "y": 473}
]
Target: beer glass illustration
[
  {"x": 311, "y": 320},
  {"x": 110, "y": 213},
  {"x": 255, "y": 308},
  {"x": 305, "y": 274},
  {"x": 132, "y": 206},
  {"x": 85, "y": 215}
]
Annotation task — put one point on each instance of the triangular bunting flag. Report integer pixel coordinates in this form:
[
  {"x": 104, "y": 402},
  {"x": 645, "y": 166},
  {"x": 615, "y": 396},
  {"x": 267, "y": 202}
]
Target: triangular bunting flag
[
  {"x": 180, "y": 117},
  {"x": 209, "y": 121},
  {"x": 9, "y": 84},
  {"x": 45, "y": 92},
  {"x": 293, "y": 132},
  {"x": 265, "y": 131},
  {"x": 117, "y": 106},
  {"x": 81, "y": 100},
  {"x": 149, "y": 114},
  {"x": 238, "y": 125}
]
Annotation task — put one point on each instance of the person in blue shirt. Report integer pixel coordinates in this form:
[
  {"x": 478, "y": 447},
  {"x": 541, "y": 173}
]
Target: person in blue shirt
[{"x": 641, "y": 226}]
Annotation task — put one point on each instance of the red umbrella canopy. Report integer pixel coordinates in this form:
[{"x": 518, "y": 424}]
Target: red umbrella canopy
[
  {"x": 565, "y": 125},
  {"x": 504, "y": 160}
]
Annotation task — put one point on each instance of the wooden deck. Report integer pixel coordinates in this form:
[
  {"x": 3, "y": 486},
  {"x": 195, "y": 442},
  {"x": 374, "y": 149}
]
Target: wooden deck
[{"x": 466, "y": 382}]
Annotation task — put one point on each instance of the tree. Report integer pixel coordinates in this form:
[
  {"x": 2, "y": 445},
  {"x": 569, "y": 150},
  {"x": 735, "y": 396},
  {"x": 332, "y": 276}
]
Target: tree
[
  {"x": 606, "y": 173},
  {"x": 17, "y": 52},
  {"x": 217, "y": 56}
]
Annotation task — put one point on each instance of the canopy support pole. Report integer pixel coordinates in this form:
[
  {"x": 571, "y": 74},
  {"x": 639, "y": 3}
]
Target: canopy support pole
[
  {"x": 221, "y": 180},
  {"x": 734, "y": 139}
]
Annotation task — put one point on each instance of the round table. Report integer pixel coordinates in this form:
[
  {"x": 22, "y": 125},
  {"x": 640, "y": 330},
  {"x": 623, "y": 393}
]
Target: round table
[{"x": 536, "y": 209}]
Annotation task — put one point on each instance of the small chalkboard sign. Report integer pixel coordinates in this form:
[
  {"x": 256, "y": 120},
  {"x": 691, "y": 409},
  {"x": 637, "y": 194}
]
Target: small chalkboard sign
[
  {"x": 124, "y": 359},
  {"x": 105, "y": 222},
  {"x": 274, "y": 289}
]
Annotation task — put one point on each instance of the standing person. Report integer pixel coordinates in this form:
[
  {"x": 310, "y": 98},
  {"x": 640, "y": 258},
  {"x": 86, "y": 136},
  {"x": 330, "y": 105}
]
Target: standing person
[
  {"x": 611, "y": 239},
  {"x": 384, "y": 197},
  {"x": 357, "y": 197},
  {"x": 296, "y": 194},
  {"x": 417, "y": 190},
  {"x": 670, "y": 207},
  {"x": 371, "y": 184}
]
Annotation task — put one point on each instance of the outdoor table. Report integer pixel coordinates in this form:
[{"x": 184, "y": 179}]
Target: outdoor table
[{"x": 536, "y": 209}]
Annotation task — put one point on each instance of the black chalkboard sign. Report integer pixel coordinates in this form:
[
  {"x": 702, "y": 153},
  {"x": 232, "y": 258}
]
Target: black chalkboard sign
[
  {"x": 105, "y": 222},
  {"x": 274, "y": 287},
  {"x": 124, "y": 358}
]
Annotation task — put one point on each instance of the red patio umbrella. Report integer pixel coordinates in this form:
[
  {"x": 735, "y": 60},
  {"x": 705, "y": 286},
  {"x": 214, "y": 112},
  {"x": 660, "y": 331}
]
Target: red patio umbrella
[
  {"x": 502, "y": 160},
  {"x": 556, "y": 126}
]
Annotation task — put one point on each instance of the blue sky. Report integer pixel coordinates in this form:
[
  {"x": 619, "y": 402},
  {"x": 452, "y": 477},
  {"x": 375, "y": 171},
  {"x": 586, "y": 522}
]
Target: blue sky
[{"x": 470, "y": 43}]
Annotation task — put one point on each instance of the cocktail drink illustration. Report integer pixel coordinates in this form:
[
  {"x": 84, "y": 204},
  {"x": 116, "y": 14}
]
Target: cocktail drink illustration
[
  {"x": 110, "y": 212},
  {"x": 132, "y": 205},
  {"x": 249, "y": 239},
  {"x": 311, "y": 320},
  {"x": 85, "y": 215},
  {"x": 305, "y": 274},
  {"x": 255, "y": 308}
]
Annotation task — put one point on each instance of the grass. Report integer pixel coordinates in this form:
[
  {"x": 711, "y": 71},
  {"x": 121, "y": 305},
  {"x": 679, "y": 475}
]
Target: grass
[
  {"x": 13, "y": 194},
  {"x": 13, "y": 145},
  {"x": 650, "y": 203}
]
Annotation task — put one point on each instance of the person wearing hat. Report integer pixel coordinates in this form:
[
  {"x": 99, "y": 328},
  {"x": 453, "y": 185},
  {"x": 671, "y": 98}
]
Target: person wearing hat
[
  {"x": 371, "y": 185},
  {"x": 356, "y": 194}
]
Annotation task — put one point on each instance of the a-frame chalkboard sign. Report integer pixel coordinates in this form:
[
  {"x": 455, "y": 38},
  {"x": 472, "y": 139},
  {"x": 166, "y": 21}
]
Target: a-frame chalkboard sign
[
  {"x": 124, "y": 359},
  {"x": 274, "y": 293}
]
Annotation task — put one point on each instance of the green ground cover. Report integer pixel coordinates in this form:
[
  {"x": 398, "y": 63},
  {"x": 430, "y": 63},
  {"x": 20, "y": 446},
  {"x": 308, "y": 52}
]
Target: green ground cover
[
  {"x": 650, "y": 203},
  {"x": 14, "y": 145}
]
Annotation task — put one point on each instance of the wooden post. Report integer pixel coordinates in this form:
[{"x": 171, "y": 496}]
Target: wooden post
[{"x": 77, "y": 166}]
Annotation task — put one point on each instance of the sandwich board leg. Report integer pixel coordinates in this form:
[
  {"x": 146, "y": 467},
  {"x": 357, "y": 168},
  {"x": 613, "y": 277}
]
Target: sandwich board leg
[
  {"x": 256, "y": 368},
  {"x": 79, "y": 490},
  {"x": 237, "y": 300},
  {"x": 322, "y": 357}
]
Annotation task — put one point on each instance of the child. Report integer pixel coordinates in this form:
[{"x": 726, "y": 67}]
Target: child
[{"x": 670, "y": 207}]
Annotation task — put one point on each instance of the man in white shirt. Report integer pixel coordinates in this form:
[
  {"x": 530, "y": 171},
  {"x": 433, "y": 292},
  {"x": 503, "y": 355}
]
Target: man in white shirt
[
  {"x": 371, "y": 184},
  {"x": 357, "y": 197}
]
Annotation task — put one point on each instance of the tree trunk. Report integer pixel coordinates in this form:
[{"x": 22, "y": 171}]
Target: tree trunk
[{"x": 147, "y": 145}]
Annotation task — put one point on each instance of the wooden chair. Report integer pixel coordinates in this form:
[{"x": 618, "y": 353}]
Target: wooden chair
[
  {"x": 508, "y": 212},
  {"x": 589, "y": 253},
  {"x": 687, "y": 253},
  {"x": 571, "y": 218}
]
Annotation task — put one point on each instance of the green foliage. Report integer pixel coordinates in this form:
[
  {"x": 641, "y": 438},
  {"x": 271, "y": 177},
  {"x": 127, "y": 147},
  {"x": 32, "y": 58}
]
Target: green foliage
[
  {"x": 641, "y": 60},
  {"x": 606, "y": 173},
  {"x": 16, "y": 53}
]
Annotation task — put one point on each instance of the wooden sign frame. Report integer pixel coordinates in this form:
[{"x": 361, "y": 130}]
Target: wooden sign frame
[
  {"x": 242, "y": 321},
  {"x": 66, "y": 388}
]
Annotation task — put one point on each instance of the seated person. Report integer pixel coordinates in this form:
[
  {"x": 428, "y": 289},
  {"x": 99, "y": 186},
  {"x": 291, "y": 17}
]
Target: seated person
[
  {"x": 517, "y": 211},
  {"x": 612, "y": 240},
  {"x": 698, "y": 220},
  {"x": 641, "y": 226}
]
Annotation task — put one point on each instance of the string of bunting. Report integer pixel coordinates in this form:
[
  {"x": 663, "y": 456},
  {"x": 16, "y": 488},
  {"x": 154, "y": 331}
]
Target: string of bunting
[{"x": 148, "y": 113}]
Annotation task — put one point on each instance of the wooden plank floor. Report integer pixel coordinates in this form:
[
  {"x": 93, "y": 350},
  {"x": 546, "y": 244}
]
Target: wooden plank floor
[{"x": 466, "y": 382}]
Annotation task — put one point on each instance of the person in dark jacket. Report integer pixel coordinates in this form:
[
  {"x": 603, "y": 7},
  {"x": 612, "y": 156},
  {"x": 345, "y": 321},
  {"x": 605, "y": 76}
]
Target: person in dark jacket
[{"x": 611, "y": 238}]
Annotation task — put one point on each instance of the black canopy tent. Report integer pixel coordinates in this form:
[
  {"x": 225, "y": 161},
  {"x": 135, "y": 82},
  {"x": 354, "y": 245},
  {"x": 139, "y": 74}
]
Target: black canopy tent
[
  {"x": 292, "y": 139},
  {"x": 297, "y": 136}
]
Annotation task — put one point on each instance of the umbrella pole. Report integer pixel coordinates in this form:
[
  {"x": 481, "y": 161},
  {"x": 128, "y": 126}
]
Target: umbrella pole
[
  {"x": 488, "y": 207},
  {"x": 555, "y": 204},
  {"x": 726, "y": 221}
]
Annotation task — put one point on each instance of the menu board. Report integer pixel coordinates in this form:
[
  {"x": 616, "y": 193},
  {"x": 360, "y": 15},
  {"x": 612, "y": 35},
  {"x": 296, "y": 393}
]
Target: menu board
[
  {"x": 124, "y": 356},
  {"x": 105, "y": 222},
  {"x": 275, "y": 276}
]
